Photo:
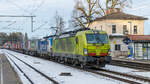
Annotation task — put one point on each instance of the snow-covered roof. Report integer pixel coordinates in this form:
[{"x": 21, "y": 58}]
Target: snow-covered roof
[{"x": 116, "y": 35}]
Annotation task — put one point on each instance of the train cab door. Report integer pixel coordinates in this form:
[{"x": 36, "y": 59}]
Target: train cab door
[{"x": 77, "y": 45}]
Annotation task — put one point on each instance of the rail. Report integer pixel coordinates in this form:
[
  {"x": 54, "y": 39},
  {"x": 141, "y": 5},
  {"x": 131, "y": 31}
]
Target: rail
[
  {"x": 129, "y": 64},
  {"x": 47, "y": 77}
]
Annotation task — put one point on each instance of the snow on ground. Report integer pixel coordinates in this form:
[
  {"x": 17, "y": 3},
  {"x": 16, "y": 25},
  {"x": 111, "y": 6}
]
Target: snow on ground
[
  {"x": 28, "y": 70},
  {"x": 20, "y": 74},
  {"x": 119, "y": 69},
  {"x": 54, "y": 70},
  {"x": 124, "y": 70},
  {"x": 128, "y": 70}
]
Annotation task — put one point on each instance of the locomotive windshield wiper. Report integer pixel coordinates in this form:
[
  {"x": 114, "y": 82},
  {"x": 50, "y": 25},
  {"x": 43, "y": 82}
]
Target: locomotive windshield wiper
[{"x": 97, "y": 40}]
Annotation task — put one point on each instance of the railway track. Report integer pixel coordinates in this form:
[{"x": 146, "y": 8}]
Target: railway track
[
  {"x": 129, "y": 64},
  {"x": 133, "y": 77},
  {"x": 123, "y": 77},
  {"x": 113, "y": 76},
  {"x": 41, "y": 73}
]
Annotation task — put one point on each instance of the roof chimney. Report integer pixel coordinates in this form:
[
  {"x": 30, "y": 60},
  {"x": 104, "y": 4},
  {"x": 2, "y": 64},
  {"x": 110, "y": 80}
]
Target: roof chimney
[
  {"x": 110, "y": 11},
  {"x": 118, "y": 10}
]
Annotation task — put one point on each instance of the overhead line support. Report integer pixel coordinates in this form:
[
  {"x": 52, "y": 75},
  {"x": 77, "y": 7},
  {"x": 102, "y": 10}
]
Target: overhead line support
[{"x": 21, "y": 16}]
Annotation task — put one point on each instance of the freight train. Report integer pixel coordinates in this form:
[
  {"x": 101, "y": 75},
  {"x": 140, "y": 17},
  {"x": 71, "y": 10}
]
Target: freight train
[{"x": 82, "y": 47}]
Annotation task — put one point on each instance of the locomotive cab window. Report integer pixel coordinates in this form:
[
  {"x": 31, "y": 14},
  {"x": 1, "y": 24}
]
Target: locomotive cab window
[{"x": 97, "y": 38}]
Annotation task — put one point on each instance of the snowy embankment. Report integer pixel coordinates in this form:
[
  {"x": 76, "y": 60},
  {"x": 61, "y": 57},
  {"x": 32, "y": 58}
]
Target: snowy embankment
[{"x": 54, "y": 70}]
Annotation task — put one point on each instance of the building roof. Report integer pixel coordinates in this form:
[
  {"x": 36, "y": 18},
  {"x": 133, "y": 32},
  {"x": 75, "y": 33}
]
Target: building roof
[
  {"x": 121, "y": 16},
  {"x": 140, "y": 38}
]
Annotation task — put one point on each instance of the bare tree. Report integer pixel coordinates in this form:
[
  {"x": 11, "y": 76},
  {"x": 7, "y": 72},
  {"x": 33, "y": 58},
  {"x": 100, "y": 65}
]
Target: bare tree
[
  {"x": 15, "y": 36},
  {"x": 59, "y": 24},
  {"x": 84, "y": 13},
  {"x": 3, "y": 38}
]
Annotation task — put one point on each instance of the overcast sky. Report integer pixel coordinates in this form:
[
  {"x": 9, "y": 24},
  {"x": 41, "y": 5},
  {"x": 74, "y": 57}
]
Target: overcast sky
[{"x": 45, "y": 11}]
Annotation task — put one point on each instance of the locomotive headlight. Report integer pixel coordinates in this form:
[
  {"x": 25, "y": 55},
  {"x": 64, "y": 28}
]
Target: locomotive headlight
[{"x": 85, "y": 51}]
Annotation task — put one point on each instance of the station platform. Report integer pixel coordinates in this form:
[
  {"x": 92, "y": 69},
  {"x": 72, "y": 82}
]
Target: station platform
[
  {"x": 143, "y": 61},
  {"x": 7, "y": 74}
]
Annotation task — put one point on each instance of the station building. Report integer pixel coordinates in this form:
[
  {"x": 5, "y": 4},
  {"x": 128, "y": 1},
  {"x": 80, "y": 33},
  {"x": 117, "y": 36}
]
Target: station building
[{"x": 118, "y": 24}]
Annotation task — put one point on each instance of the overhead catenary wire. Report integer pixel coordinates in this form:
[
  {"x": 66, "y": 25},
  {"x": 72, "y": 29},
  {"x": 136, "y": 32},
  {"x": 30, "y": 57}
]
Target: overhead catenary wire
[
  {"x": 8, "y": 25},
  {"x": 42, "y": 2},
  {"x": 27, "y": 11},
  {"x": 40, "y": 26},
  {"x": 21, "y": 16},
  {"x": 16, "y": 5}
]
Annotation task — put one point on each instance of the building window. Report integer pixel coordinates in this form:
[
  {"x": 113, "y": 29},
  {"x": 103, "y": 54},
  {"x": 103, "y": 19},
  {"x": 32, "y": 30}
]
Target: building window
[
  {"x": 124, "y": 29},
  {"x": 113, "y": 28},
  {"x": 135, "y": 29},
  {"x": 117, "y": 47}
]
